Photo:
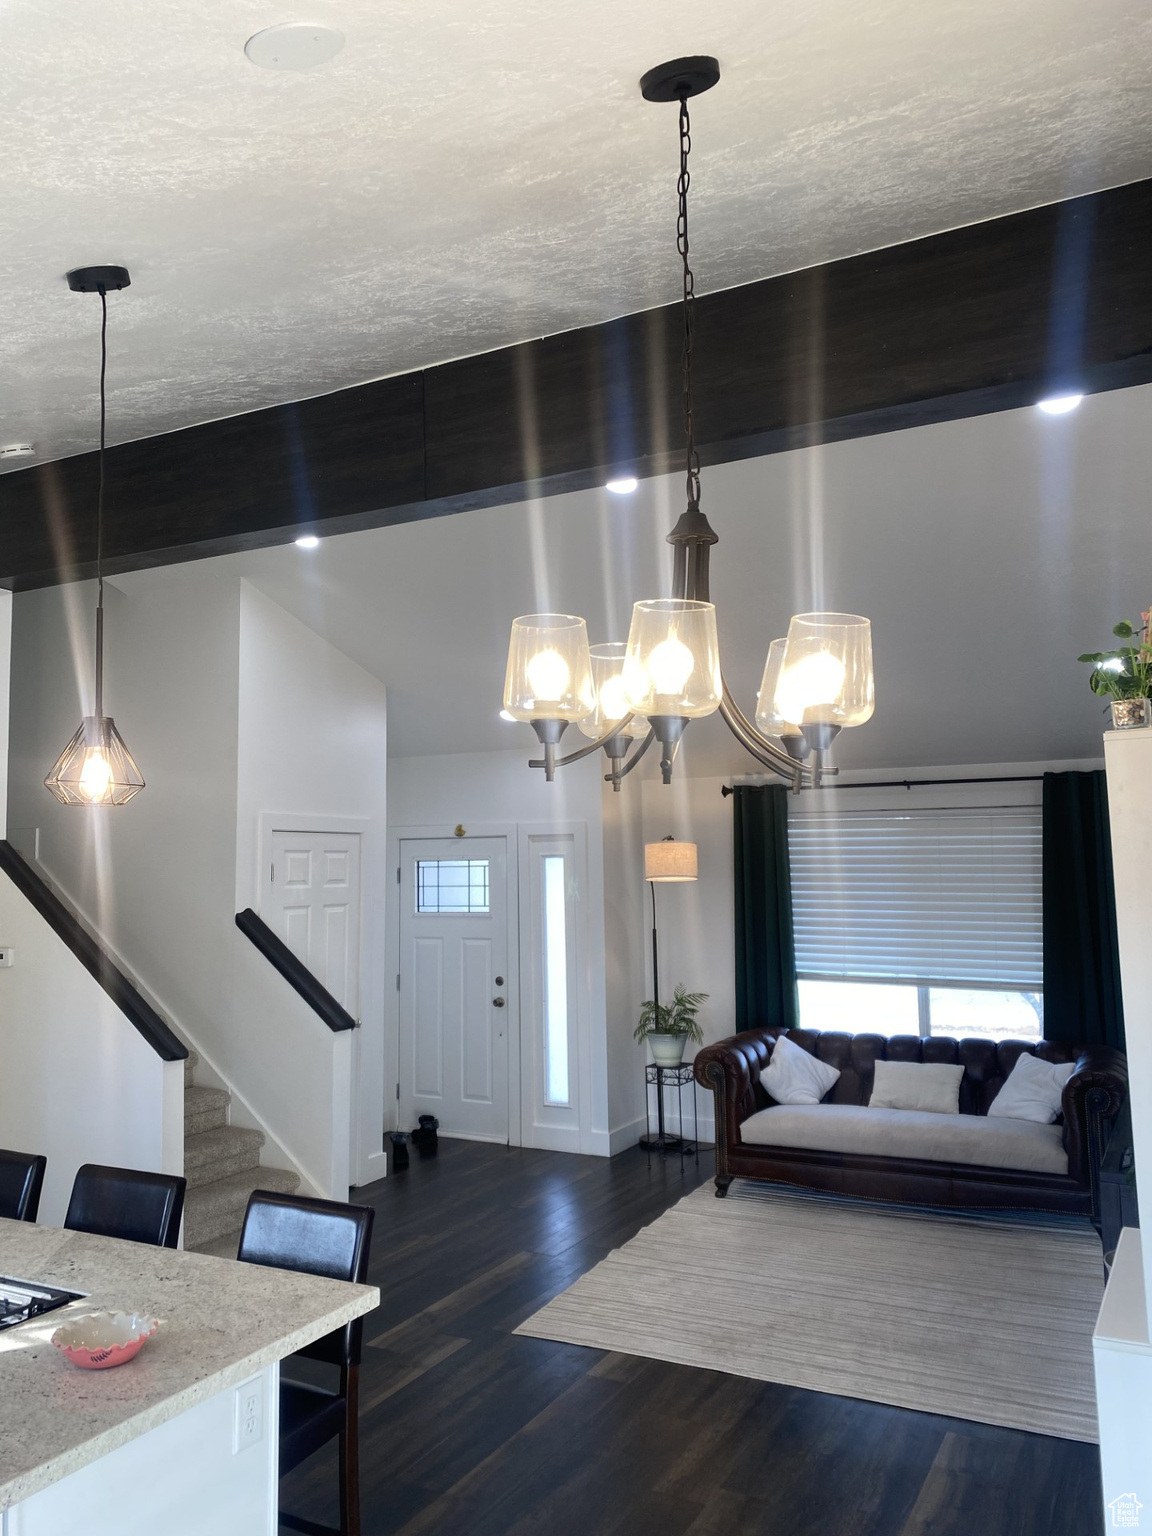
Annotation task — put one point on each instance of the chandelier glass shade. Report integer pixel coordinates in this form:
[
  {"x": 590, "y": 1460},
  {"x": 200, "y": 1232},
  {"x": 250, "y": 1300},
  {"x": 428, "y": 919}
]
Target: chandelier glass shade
[
  {"x": 672, "y": 664},
  {"x": 96, "y": 767},
  {"x": 549, "y": 674},
  {"x": 825, "y": 676},
  {"x": 612, "y": 707},
  {"x": 816, "y": 681},
  {"x": 768, "y": 716}
]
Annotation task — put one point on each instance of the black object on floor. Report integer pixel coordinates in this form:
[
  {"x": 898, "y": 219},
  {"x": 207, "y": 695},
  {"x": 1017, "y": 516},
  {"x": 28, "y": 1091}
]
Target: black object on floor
[
  {"x": 424, "y": 1136},
  {"x": 399, "y": 1151}
]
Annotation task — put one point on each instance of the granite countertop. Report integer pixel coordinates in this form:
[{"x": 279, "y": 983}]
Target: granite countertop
[{"x": 220, "y": 1323}]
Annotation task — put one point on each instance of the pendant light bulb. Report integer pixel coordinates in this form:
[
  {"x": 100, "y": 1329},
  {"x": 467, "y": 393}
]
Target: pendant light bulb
[
  {"x": 96, "y": 767},
  {"x": 95, "y": 776}
]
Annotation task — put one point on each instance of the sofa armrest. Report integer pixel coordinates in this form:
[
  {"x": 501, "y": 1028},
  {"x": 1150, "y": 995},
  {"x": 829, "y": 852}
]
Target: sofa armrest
[
  {"x": 1092, "y": 1098},
  {"x": 732, "y": 1068}
]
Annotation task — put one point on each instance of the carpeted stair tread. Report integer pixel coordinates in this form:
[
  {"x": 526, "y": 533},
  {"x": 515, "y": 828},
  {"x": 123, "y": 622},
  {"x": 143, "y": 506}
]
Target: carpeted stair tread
[
  {"x": 215, "y": 1209},
  {"x": 221, "y": 1247},
  {"x": 191, "y": 1062},
  {"x": 204, "y": 1109},
  {"x": 215, "y": 1154}
]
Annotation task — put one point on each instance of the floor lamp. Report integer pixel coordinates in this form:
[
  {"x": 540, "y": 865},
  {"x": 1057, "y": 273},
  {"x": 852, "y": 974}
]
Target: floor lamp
[{"x": 665, "y": 863}]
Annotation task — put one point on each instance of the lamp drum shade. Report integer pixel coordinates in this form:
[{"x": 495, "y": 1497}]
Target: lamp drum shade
[
  {"x": 670, "y": 861},
  {"x": 549, "y": 674}
]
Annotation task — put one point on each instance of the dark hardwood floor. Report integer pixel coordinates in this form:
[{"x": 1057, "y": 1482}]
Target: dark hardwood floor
[{"x": 467, "y": 1430}]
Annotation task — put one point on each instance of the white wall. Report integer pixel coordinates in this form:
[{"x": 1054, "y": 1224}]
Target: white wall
[
  {"x": 496, "y": 791},
  {"x": 5, "y": 674},
  {"x": 313, "y": 744}
]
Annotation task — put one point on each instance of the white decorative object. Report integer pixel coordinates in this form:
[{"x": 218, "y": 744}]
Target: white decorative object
[
  {"x": 795, "y": 1076},
  {"x": 667, "y": 1050},
  {"x": 927, "y": 1085},
  {"x": 1032, "y": 1091}
]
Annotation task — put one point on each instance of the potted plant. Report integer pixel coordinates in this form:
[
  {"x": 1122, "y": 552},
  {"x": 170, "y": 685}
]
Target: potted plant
[
  {"x": 669, "y": 1026},
  {"x": 1124, "y": 676}
]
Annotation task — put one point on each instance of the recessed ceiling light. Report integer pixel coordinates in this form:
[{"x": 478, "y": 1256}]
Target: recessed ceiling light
[
  {"x": 297, "y": 45},
  {"x": 1059, "y": 405},
  {"x": 307, "y": 541},
  {"x": 624, "y": 486},
  {"x": 17, "y": 451},
  {"x": 504, "y": 715}
]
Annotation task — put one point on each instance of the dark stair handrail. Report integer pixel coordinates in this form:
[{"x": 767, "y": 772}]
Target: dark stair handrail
[
  {"x": 91, "y": 955},
  {"x": 294, "y": 971}
]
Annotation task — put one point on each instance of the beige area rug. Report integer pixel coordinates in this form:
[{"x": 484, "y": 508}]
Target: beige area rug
[{"x": 985, "y": 1317}]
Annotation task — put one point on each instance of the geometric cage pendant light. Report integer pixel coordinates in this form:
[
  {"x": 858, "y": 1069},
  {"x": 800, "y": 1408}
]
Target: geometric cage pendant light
[
  {"x": 96, "y": 767},
  {"x": 817, "y": 681}
]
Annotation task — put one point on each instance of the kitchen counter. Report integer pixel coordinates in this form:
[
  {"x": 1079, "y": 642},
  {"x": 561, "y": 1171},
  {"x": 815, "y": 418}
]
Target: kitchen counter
[{"x": 221, "y": 1325}]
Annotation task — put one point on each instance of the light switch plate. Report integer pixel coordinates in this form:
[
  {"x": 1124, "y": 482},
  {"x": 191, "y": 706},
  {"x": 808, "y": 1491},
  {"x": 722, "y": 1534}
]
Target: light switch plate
[
  {"x": 249, "y": 1425},
  {"x": 5, "y": 954}
]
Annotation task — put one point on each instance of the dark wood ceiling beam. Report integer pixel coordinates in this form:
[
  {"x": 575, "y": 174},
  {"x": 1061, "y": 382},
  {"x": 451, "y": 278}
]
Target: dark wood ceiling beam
[{"x": 979, "y": 319}]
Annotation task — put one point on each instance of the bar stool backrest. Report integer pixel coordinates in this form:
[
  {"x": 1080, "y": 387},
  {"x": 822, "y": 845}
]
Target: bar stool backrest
[
  {"x": 313, "y": 1237},
  {"x": 21, "y": 1180},
  {"x": 123, "y": 1202}
]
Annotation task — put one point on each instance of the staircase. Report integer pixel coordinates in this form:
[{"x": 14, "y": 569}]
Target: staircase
[{"x": 222, "y": 1166}]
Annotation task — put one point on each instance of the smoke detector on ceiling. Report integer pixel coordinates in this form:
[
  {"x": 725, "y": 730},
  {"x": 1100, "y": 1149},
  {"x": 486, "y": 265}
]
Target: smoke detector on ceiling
[
  {"x": 297, "y": 45},
  {"x": 17, "y": 451}
]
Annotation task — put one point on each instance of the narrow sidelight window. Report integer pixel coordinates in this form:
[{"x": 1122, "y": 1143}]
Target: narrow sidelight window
[{"x": 555, "y": 931}]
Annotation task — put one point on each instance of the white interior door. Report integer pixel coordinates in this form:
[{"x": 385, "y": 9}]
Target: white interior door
[
  {"x": 455, "y": 1013},
  {"x": 312, "y": 901}
]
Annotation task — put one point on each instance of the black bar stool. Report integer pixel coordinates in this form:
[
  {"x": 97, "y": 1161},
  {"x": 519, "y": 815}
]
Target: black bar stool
[
  {"x": 122, "y": 1202},
  {"x": 317, "y": 1237},
  {"x": 21, "y": 1180}
]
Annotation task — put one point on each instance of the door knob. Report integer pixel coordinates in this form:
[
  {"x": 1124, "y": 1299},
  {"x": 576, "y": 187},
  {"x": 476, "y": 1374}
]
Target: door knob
[{"x": 497, "y": 1002}]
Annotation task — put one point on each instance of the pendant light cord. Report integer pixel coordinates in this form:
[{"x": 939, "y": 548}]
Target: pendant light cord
[
  {"x": 692, "y": 458},
  {"x": 100, "y": 515}
]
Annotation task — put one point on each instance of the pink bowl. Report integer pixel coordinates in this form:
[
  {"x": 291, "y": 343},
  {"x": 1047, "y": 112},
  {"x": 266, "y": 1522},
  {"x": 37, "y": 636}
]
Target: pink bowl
[{"x": 99, "y": 1340}]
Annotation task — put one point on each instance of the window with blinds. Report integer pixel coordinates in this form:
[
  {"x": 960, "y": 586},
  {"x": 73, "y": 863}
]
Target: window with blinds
[{"x": 928, "y": 897}]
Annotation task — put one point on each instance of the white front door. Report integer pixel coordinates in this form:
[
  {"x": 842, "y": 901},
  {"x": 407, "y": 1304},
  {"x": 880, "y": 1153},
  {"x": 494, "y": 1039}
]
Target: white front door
[
  {"x": 311, "y": 900},
  {"x": 455, "y": 999}
]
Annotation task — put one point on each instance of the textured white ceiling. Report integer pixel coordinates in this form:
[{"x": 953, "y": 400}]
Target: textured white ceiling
[
  {"x": 465, "y": 175},
  {"x": 988, "y": 553}
]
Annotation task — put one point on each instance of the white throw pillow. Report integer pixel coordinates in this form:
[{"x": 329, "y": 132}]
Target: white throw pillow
[
  {"x": 795, "y": 1076},
  {"x": 928, "y": 1085},
  {"x": 1032, "y": 1090}
]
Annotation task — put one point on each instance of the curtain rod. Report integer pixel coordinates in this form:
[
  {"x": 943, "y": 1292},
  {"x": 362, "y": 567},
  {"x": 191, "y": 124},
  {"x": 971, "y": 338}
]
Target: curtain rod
[{"x": 1011, "y": 778}]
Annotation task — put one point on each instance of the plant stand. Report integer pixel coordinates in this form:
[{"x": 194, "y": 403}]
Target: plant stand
[{"x": 662, "y": 1079}]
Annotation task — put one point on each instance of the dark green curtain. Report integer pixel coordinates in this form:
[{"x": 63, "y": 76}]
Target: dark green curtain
[
  {"x": 765, "y": 952},
  {"x": 1081, "y": 959}
]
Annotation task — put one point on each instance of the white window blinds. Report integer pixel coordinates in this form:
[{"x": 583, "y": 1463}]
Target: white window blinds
[{"x": 943, "y": 896}]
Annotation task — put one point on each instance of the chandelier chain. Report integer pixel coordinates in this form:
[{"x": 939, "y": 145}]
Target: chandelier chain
[
  {"x": 692, "y": 458},
  {"x": 103, "y": 412}
]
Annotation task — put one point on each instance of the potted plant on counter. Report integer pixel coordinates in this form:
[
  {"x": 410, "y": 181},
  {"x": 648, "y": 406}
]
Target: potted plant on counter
[
  {"x": 669, "y": 1026},
  {"x": 1124, "y": 676}
]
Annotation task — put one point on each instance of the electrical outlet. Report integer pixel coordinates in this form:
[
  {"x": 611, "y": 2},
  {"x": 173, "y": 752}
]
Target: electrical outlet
[
  {"x": 5, "y": 954},
  {"x": 249, "y": 1427}
]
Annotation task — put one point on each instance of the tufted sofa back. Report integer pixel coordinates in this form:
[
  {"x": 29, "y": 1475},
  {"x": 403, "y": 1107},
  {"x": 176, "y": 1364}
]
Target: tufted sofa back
[{"x": 986, "y": 1063}]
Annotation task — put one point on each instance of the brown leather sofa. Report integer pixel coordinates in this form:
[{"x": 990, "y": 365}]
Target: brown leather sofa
[{"x": 1092, "y": 1098}]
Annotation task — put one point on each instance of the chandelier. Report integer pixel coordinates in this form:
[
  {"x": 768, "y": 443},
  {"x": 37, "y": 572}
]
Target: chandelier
[
  {"x": 96, "y": 767},
  {"x": 817, "y": 679}
]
